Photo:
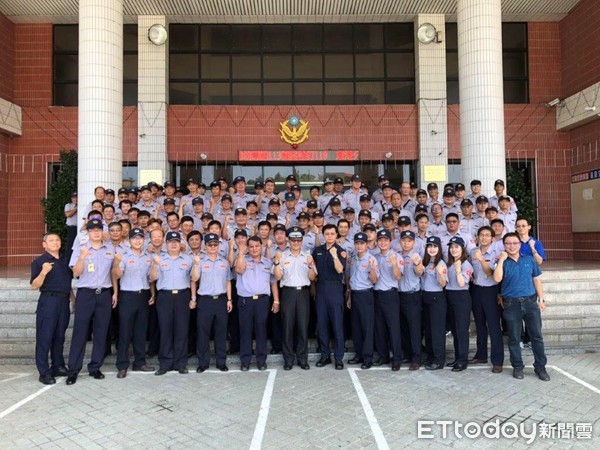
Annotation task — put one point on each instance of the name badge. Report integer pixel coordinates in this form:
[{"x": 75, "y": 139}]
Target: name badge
[{"x": 90, "y": 267}]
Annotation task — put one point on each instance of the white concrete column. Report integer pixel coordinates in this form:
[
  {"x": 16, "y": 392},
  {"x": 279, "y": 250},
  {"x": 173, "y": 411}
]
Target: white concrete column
[
  {"x": 431, "y": 100},
  {"x": 100, "y": 118},
  {"x": 153, "y": 82},
  {"x": 481, "y": 91}
]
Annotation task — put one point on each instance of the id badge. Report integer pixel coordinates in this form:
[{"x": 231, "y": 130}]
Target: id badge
[{"x": 90, "y": 267}]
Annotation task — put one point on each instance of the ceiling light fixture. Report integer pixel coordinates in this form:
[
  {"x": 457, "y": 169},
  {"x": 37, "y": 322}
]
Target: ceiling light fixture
[{"x": 157, "y": 34}]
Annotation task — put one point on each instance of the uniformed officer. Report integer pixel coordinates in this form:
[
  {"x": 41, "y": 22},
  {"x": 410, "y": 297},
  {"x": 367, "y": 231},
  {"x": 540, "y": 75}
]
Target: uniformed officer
[
  {"x": 212, "y": 301},
  {"x": 387, "y": 304},
  {"x": 411, "y": 265},
  {"x": 92, "y": 264},
  {"x": 295, "y": 270},
  {"x": 71, "y": 222},
  {"x": 330, "y": 260},
  {"x": 254, "y": 286},
  {"x": 52, "y": 276},
  {"x": 172, "y": 273},
  {"x": 459, "y": 300},
  {"x": 362, "y": 275},
  {"x": 132, "y": 268}
]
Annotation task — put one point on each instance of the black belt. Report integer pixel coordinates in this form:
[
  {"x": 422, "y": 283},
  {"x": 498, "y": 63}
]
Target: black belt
[
  {"x": 212, "y": 297},
  {"x": 55, "y": 294},
  {"x": 409, "y": 292},
  {"x": 253, "y": 297},
  {"x": 94, "y": 290},
  {"x": 297, "y": 288},
  {"x": 139, "y": 291},
  {"x": 174, "y": 291},
  {"x": 519, "y": 299},
  {"x": 361, "y": 291}
]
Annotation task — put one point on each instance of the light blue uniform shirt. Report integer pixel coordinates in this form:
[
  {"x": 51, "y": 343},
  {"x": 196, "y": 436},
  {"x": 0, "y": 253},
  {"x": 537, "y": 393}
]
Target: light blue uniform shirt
[
  {"x": 96, "y": 266},
  {"x": 256, "y": 279},
  {"x": 491, "y": 256},
  {"x": 386, "y": 280},
  {"x": 294, "y": 269},
  {"x": 466, "y": 270},
  {"x": 135, "y": 271},
  {"x": 429, "y": 280},
  {"x": 214, "y": 275},
  {"x": 359, "y": 269},
  {"x": 174, "y": 273},
  {"x": 410, "y": 281},
  {"x": 240, "y": 201}
]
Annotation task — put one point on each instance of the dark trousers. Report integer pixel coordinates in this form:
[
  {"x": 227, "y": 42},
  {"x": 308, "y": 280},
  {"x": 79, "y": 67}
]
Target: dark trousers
[
  {"x": 515, "y": 312},
  {"x": 387, "y": 325},
  {"x": 411, "y": 312},
  {"x": 363, "y": 324},
  {"x": 253, "y": 314},
  {"x": 330, "y": 310},
  {"x": 173, "y": 312},
  {"x": 89, "y": 308},
  {"x": 434, "y": 310},
  {"x": 459, "y": 308},
  {"x": 71, "y": 236},
  {"x": 487, "y": 314},
  {"x": 211, "y": 311},
  {"x": 51, "y": 320},
  {"x": 233, "y": 325},
  {"x": 294, "y": 312},
  {"x": 192, "y": 333},
  {"x": 133, "y": 325},
  {"x": 275, "y": 329},
  {"x": 153, "y": 330}
]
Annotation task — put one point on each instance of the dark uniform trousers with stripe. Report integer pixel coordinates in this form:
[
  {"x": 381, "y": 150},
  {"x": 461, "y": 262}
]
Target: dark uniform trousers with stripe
[
  {"x": 295, "y": 313},
  {"x": 173, "y": 310},
  {"x": 211, "y": 309},
  {"x": 133, "y": 325}
]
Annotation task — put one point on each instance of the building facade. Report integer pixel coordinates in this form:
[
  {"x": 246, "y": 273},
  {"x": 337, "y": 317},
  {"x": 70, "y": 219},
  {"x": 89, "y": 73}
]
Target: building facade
[{"x": 210, "y": 101}]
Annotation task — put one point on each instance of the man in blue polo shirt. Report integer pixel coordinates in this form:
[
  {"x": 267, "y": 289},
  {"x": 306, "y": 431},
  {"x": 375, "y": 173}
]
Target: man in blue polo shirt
[{"x": 523, "y": 298}]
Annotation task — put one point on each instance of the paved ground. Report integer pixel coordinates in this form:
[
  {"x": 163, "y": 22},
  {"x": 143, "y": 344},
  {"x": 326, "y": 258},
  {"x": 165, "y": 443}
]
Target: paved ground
[{"x": 320, "y": 408}]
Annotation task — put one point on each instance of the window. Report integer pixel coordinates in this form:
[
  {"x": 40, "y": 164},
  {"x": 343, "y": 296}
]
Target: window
[
  {"x": 304, "y": 64},
  {"x": 514, "y": 62},
  {"x": 66, "y": 65}
]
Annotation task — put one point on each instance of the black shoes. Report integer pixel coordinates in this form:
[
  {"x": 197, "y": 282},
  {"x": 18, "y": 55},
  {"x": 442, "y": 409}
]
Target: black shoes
[
  {"x": 201, "y": 369},
  {"x": 339, "y": 364},
  {"x": 122, "y": 373},
  {"x": 245, "y": 367},
  {"x": 261, "y": 366},
  {"x": 355, "y": 360},
  {"x": 542, "y": 374},
  {"x": 223, "y": 368},
  {"x": 287, "y": 366},
  {"x": 323, "y": 362},
  {"x": 434, "y": 366},
  {"x": 183, "y": 371},
  {"x": 144, "y": 368},
  {"x": 395, "y": 367},
  {"x": 459, "y": 367},
  {"x": 518, "y": 373},
  {"x": 160, "y": 372},
  {"x": 304, "y": 365},
  {"x": 380, "y": 362},
  {"x": 71, "y": 379},
  {"x": 451, "y": 364},
  {"x": 47, "y": 379},
  {"x": 366, "y": 365},
  {"x": 97, "y": 375},
  {"x": 60, "y": 372}
]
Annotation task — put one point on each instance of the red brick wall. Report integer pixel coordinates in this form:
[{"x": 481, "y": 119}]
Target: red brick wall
[
  {"x": 7, "y": 58},
  {"x": 33, "y": 65},
  {"x": 4, "y": 146},
  {"x": 580, "y": 42}
]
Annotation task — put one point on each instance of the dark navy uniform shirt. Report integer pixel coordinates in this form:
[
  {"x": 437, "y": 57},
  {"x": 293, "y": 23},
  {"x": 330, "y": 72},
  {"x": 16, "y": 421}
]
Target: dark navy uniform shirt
[
  {"x": 58, "y": 279},
  {"x": 325, "y": 263}
]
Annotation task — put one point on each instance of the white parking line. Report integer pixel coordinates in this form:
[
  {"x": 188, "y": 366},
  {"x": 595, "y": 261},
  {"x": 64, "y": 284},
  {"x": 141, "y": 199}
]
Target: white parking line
[
  {"x": 16, "y": 406},
  {"x": 263, "y": 414},
  {"x": 15, "y": 377},
  {"x": 375, "y": 428}
]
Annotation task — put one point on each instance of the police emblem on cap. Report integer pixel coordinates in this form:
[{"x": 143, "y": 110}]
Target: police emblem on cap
[
  {"x": 94, "y": 223},
  {"x": 173, "y": 236},
  {"x": 407, "y": 233},
  {"x": 384, "y": 234},
  {"x": 360, "y": 237},
  {"x": 289, "y": 196},
  {"x": 457, "y": 240},
  {"x": 210, "y": 237},
  {"x": 136, "y": 232},
  {"x": 295, "y": 233}
]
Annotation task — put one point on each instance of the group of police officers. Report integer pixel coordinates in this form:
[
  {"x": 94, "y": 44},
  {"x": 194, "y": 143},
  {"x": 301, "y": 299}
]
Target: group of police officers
[{"x": 222, "y": 263}]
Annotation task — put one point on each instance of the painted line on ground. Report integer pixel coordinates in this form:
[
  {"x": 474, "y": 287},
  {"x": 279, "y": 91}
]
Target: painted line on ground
[
  {"x": 575, "y": 379},
  {"x": 15, "y": 377},
  {"x": 263, "y": 414},
  {"x": 16, "y": 406},
  {"x": 375, "y": 428}
]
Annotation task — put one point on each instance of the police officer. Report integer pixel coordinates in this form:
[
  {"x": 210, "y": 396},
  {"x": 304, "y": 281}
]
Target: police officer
[
  {"x": 52, "y": 276},
  {"x": 411, "y": 265},
  {"x": 132, "y": 268},
  {"x": 172, "y": 273},
  {"x": 295, "y": 270},
  {"x": 387, "y": 304},
  {"x": 363, "y": 274},
  {"x": 212, "y": 302},
  {"x": 330, "y": 260},
  {"x": 92, "y": 264},
  {"x": 253, "y": 286}
]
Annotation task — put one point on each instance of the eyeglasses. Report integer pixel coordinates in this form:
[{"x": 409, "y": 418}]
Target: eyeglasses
[
  {"x": 451, "y": 221},
  {"x": 212, "y": 244},
  {"x": 512, "y": 243}
]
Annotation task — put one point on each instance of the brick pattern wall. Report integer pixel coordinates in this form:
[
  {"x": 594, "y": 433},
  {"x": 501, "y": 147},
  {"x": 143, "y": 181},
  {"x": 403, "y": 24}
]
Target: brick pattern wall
[
  {"x": 4, "y": 205},
  {"x": 33, "y": 65},
  {"x": 7, "y": 58},
  {"x": 580, "y": 42}
]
